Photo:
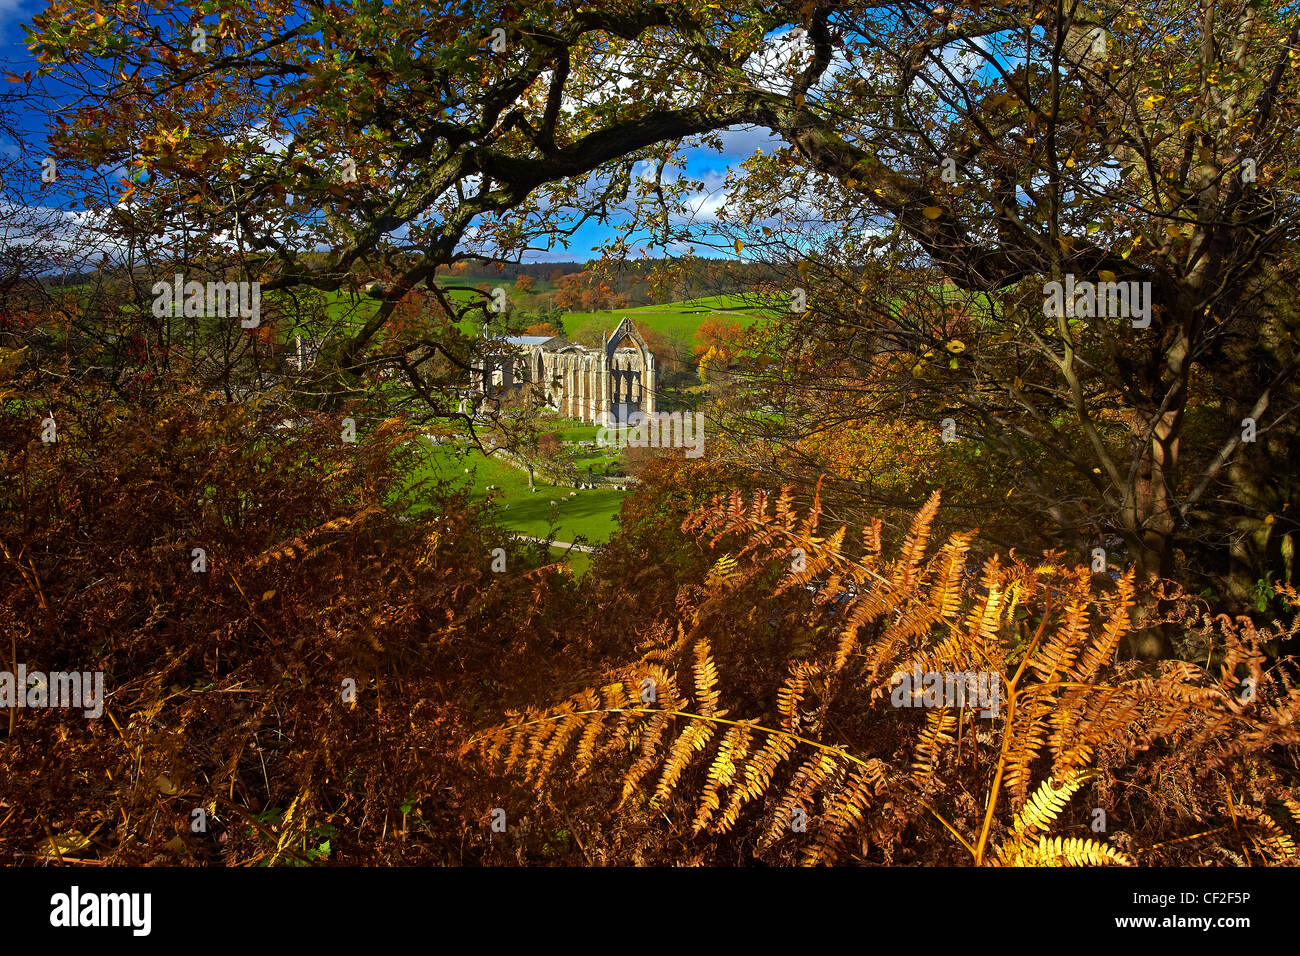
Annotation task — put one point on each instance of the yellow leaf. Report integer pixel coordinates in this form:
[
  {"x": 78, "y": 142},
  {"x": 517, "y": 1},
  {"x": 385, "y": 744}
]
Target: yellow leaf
[
  {"x": 68, "y": 842},
  {"x": 739, "y": 245},
  {"x": 956, "y": 346},
  {"x": 931, "y": 212},
  {"x": 1106, "y": 275}
]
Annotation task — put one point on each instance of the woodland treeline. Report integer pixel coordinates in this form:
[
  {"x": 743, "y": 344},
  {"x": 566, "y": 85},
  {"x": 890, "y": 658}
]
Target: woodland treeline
[{"x": 914, "y": 465}]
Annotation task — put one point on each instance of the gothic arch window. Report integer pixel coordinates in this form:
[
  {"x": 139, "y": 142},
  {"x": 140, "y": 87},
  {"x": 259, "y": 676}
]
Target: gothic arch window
[{"x": 627, "y": 333}]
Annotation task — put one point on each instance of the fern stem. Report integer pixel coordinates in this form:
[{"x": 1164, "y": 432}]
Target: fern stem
[{"x": 1006, "y": 737}]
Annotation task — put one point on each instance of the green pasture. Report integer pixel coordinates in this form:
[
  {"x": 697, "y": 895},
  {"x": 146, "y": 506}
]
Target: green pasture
[{"x": 590, "y": 514}]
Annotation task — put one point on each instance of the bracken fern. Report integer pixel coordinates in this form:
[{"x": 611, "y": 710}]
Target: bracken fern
[{"x": 822, "y": 742}]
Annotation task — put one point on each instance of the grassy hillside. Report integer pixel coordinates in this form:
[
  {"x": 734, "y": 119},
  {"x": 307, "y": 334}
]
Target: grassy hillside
[
  {"x": 591, "y": 513},
  {"x": 673, "y": 319}
]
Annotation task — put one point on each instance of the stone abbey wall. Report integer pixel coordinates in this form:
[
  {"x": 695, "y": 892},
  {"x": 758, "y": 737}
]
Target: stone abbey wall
[{"x": 603, "y": 386}]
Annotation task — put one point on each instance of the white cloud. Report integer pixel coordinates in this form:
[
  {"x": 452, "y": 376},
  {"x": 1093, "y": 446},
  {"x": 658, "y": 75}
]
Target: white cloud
[
  {"x": 704, "y": 206},
  {"x": 775, "y": 65}
]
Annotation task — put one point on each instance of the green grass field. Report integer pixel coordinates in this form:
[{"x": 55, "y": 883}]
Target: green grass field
[
  {"x": 673, "y": 319},
  {"x": 579, "y": 561},
  {"x": 678, "y": 320},
  {"x": 590, "y": 514}
]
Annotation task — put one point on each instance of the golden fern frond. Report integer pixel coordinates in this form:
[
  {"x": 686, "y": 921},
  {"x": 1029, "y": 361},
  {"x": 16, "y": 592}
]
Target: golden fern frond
[
  {"x": 298, "y": 545},
  {"x": 539, "y": 737},
  {"x": 1061, "y": 851},
  {"x": 723, "y": 570},
  {"x": 758, "y": 772},
  {"x": 491, "y": 743},
  {"x": 1293, "y": 808},
  {"x": 647, "y": 757},
  {"x": 985, "y": 615},
  {"x": 706, "y": 680},
  {"x": 812, "y": 775},
  {"x": 946, "y": 593},
  {"x": 1071, "y": 740},
  {"x": 1046, "y": 804},
  {"x": 863, "y": 612},
  {"x": 1057, "y": 655},
  {"x": 519, "y": 739},
  {"x": 587, "y": 743},
  {"x": 1269, "y": 838},
  {"x": 819, "y": 557},
  {"x": 918, "y": 536},
  {"x": 722, "y": 772},
  {"x": 1101, "y": 649},
  {"x": 842, "y": 817},
  {"x": 939, "y": 725},
  {"x": 663, "y": 683},
  {"x": 872, "y": 541},
  {"x": 693, "y": 739},
  {"x": 923, "y": 614},
  {"x": 567, "y": 727},
  {"x": 811, "y": 521},
  {"x": 788, "y": 697},
  {"x": 1027, "y": 737},
  {"x": 903, "y": 637},
  {"x": 955, "y": 653}
]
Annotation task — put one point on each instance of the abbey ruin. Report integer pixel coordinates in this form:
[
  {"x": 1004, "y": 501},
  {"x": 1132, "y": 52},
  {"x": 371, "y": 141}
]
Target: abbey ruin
[{"x": 602, "y": 386}]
